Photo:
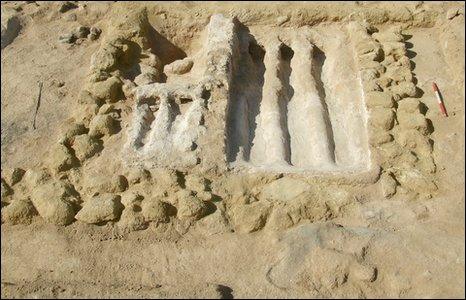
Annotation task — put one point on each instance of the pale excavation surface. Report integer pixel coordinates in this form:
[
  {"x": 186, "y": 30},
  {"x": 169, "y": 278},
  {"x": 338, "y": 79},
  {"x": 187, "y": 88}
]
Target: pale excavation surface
[{"x": 232, "y": 150}]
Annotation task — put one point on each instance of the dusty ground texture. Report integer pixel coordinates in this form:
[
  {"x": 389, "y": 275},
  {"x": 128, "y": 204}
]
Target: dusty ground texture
[{"x": 232, "y": 150}]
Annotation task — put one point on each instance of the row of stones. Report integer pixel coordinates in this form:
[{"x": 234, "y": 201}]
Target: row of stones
[
  {"x": 142, "y": 197},
  {"x": 27, "y": 193},
  {"x": 98, "y": 116},
  {"x": 124, "y": 54},
  {"x": 79, "y": 143},
  {"x": 398, "y": 130}
]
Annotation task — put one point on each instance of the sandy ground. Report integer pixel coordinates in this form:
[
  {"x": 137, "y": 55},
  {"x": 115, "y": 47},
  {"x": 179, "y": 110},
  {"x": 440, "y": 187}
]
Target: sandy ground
[{"x": 417, "y": 245}]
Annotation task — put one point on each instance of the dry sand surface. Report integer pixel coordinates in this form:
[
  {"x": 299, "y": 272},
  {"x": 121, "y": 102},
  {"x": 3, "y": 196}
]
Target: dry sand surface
[{"x": 232, "y": 150}]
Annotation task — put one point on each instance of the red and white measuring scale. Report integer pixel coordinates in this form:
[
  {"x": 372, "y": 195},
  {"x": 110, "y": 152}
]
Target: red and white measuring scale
[{"x": 439, "y": 100}]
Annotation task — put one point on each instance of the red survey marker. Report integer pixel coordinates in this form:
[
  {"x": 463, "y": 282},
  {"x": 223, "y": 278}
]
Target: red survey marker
[{"x": 439, "y": 99}]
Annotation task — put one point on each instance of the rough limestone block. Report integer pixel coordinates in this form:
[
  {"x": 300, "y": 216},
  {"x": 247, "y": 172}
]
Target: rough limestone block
[
  {"x": 145, "y": 68},
  {"x": 414, "y": 180},
  {"x": 66, "y": 6},
  {"x": 372, "y": 65},
  {"x": 106, "y": 184},
  {"x": 388, "y": 185},
  {"x": 101, "y": 208},
  {"x": 282, "y": 20},
  {"x": 106, "y": 58},
  {"x": 94, "y": 33},
  {"x": 131, "y": 220},
  {"x": 154, "y": 61},
  {"x": 84, "y": 113},
  {"x": 215, "y": 223},
  {"x": 279, "y": 219},
  {"x": 284, "y": 189},
  {"x": 190, "y": 207},
  {"x": 369, "y": 74},
  {"x": 61, "y": 159},
  {"x": 130, "y": 198},
  {"x": 179, "y": 67},
  {"x": 382, "y": 118},
  {"x": 102, "y": 125},
  {"x": 85, "y": 146},
  {"x": 379, "y": 99},
  {"x": 379, "y": 137},
  {"x": 54, "y": 201},
  {"x": 155, "y": 211},
  {"x": 137, "y": 175},
  {"x": 403, "y": 90},
  {"x": 106, "y": 109},
  {"x": 33, "y": 177},
  {"x": 410, "y": 105},
  {"x": 414, "y": 140},
  {"x": 204, "y": 195},
  {"x": 108, "y": 91},
  {"x": 374, "y": 56},
  {"x": 370, "y": 86},
  {"x": 72, "y": 131},
  {"x": 404, "y": 62},
  {"x": 399, "y": 74},
  {"x": 391, "y": 150},
  {"x": 250, "y": 217},
  {"x": 99, "y": 75},
  {"x": 145, "y": 78},
  {"x": 368, "y": 46},
  {"x": 407, "y": 160},
  {"x": 166, "y": 178},
  {"x": 426, "y": 164},
  {"x": 128, "y": 88},
  {"x": 397, "y": 49},
  {"x": 18, "y": 212},
  {"x": 148, "y": 75},
  {"x": 388, "y": 36},
  {"x": 196, "y": 182},
  {"x": 389, "y": 60},
  {"x": 81, "y": 32},
  {"x": 413, "y": 121},
  {"x": 384, "y": 81}
]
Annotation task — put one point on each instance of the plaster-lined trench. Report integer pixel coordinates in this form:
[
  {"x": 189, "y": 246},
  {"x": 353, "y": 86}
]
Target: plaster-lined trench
[{"x": 296, "y": 103}]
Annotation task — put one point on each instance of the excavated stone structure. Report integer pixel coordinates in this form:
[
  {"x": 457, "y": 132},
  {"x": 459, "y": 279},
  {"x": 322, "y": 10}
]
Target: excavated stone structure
[
  {"x": 253, "y": 129},
  {"x": 279, "y": 114}
]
